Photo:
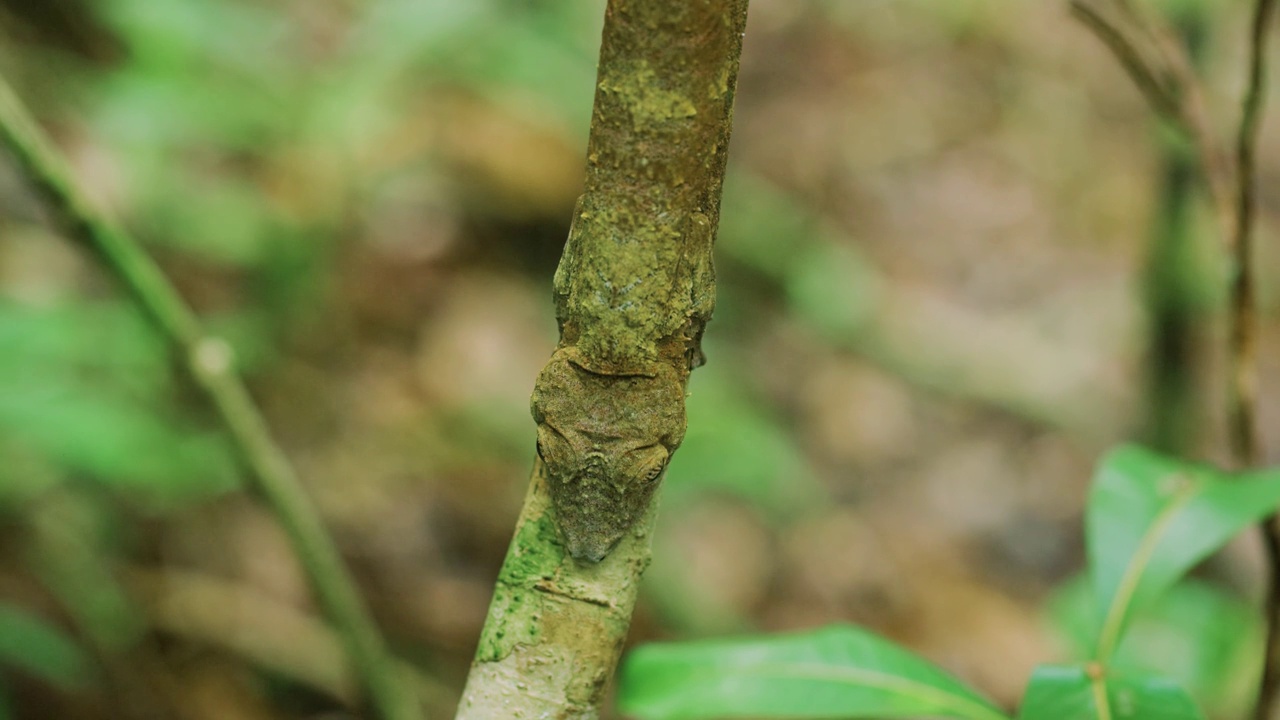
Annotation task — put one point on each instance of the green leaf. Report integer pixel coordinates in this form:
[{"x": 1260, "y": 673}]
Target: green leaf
[
  {"x": 1151, "y": 518},
  {"x": 839, "y": 671},
  {"x": 1086, "y": 692},
  {"x": 31, "y": 645},
  {"x": 1197, "y": 634}
]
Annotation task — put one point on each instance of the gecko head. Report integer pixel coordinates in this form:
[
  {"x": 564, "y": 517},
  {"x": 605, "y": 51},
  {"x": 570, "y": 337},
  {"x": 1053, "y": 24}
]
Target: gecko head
[{"x": 605, "y": 441}]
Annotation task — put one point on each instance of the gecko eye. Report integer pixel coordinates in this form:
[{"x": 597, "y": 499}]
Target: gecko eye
[
  {"x": 643, "y": 466},
  {"x": 552, "y": 446}
]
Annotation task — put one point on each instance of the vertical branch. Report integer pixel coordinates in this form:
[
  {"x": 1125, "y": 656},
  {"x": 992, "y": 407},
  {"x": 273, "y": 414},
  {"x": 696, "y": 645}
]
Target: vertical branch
[
  {"x": 633, "y": 291},
  {"x": 210, "y": 363},
  {"x": 1243, "y": 419}
]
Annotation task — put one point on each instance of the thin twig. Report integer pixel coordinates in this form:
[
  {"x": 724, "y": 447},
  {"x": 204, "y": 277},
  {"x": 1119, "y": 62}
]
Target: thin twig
[
  {"x": 1193, "y": 114},
  {"x": 1243, "y": 424},
  {"x": 1166, "y": 79},
  {"x": 1243, "y": 418},
  {"x": 1153, "y": 87},
  {"x": 210, "y": 363}
]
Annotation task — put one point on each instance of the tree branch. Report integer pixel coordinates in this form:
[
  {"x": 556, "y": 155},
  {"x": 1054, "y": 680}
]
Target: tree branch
[
  {"x": 210, "y": 363},
  {"x": 633, "y": 291}
]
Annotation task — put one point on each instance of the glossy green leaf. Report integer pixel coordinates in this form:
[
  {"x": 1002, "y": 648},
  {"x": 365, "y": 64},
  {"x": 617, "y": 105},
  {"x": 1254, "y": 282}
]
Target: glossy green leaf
[
  {"x": 1151, "y": 518},
  {"x": 1207, "y": 640},
  {"x": 31, "y": 645},
  {"x": 839, "y": 671},
  {"x": 1085, "y": 692}
]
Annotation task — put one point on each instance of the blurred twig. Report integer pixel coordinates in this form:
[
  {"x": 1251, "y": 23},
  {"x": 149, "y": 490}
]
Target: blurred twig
[
  {"x": 1243, "y": 419},
  {"x": 1155, "y": 87},
  {"x": 209, "y": 361},
  {"x": 1243, "y": 423},
  {"x": 1163, "y": 73}
]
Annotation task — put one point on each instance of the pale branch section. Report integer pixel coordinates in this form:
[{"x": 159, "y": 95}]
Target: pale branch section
[
  {"x": 633, "y": 292},
  {"x": 210, "y": 363}
]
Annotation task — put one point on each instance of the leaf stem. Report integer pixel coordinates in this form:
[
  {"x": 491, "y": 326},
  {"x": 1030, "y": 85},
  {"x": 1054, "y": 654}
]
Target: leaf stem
[
  {"x": 210, "y": 363},
  {"x": 1097, "y": 675},
  {"x": 1109, "y": 637}
]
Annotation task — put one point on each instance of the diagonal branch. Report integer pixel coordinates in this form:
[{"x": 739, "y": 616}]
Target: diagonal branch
[
  {"x": 210, "y": 363},
  {"x": 1154, "y": 86},
  {"x": 1162, "y": 72}
]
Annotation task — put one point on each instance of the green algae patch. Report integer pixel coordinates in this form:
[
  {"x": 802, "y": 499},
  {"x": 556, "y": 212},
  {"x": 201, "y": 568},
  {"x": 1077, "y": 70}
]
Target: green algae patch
[
  {"x": 535, "y": 553},
  {"x": 645, "y": 99},
  {"x": 516, "y": 610}
]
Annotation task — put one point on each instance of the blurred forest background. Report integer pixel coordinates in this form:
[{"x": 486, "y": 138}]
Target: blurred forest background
[{"x": 958, "y": 259}]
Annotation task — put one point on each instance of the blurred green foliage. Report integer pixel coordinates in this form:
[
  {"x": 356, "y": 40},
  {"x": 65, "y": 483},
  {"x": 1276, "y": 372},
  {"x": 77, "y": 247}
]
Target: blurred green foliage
[
  {"x": 31, "y": 645},
  {"x": 735, "y": 446},
  {"x": 85, "y": 392}
]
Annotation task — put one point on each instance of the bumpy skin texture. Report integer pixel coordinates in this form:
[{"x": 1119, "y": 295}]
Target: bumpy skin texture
[
  {"x": 605, "y": 440},
  {"x": 609, "y": 405}
]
